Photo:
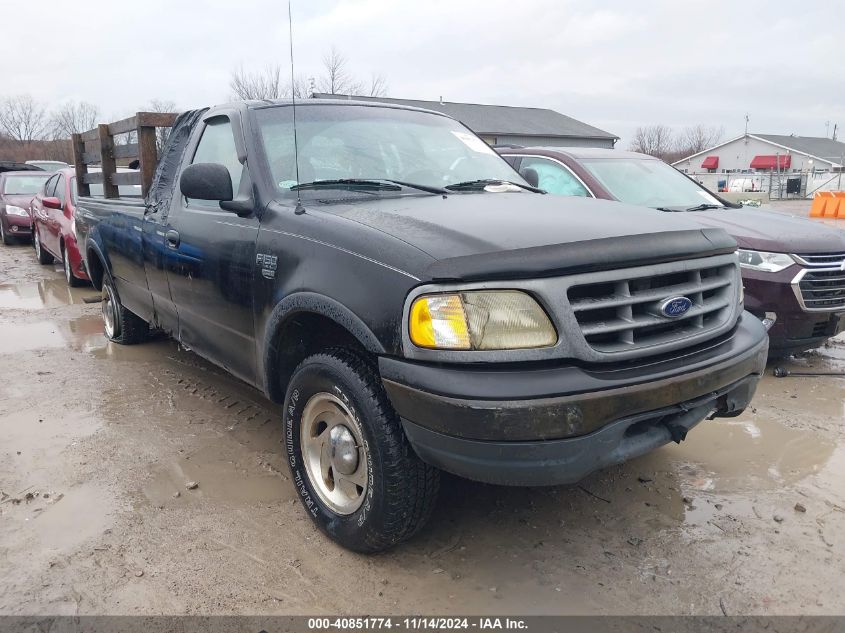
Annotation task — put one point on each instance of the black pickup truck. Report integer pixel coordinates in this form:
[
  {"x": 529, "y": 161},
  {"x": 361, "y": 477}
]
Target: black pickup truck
[{"x": 414, "y": 305}]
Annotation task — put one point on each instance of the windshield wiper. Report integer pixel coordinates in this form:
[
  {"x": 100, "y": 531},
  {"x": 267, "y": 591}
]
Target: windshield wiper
[
  {"x": 426, "y": 188},
  {"x": 348, "y": 183},
  {"x": 478, "y": 185},
  {"x": 367, "y": 184},
  {"x": 705, "y": 207},
  {"x": 700, "y": 207}
]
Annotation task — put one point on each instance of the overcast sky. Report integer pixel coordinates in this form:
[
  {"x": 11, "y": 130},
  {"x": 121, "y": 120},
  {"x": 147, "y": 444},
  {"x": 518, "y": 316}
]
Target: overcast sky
[{"x": 616, "y": 64}]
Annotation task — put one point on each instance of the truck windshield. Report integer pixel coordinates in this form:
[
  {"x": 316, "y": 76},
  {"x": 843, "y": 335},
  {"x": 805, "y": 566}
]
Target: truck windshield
[
  {"x": 24, "y": 185},
  {"x": 649, "y": 183},
  {"x": 342, "y": 142}
]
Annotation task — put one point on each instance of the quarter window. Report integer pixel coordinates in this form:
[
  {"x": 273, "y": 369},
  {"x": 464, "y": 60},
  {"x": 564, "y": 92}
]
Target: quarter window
[
  {"x": 60, "y": 189},
  {"x": 50, "y": 186},
  {"x": 554, "y": 177}
]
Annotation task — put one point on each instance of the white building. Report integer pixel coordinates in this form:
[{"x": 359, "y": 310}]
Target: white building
[
  {"x": 781, "y": 166},
  {"x": 752, "y": 153}
]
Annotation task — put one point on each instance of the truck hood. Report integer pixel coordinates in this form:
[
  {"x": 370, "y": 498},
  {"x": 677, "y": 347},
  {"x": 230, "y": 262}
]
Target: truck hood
[
  {"x": 519, "y": 234},
  {"x": 763, "y": 230}
]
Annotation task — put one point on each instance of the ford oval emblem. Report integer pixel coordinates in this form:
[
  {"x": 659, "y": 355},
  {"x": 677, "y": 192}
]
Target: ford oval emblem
[{"x": 675, "y": 307}]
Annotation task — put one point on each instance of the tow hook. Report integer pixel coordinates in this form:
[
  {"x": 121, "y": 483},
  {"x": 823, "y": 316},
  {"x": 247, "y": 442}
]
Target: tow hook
[
  {"x": 677, "y": 432},
  {"x": 769, "y": 320}
]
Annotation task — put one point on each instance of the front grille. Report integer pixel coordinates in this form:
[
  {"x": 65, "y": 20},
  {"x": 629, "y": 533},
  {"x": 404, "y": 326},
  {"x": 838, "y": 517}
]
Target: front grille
[
  {"x": 828, "y": 259},
  {"x": 623, "y": 313},
  {"x": 821, "y": 290}
]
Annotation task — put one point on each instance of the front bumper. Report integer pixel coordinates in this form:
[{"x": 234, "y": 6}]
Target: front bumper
[
  {"x": 17, "y": 225},
  {"x": 556, "y": 425},
  {"x": 795, "y": 329}
]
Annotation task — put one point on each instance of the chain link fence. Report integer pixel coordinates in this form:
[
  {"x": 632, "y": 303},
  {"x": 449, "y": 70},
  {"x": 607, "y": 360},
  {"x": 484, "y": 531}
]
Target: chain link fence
[{"x": 778, "y": 185}]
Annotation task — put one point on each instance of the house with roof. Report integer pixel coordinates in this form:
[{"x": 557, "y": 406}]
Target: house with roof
[
  {"x": 509, "y": 125},
  {"x": 767, "y": 153}
]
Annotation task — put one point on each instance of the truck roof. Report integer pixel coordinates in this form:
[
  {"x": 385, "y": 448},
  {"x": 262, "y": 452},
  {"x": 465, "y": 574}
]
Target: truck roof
[{"x": 269, "y": 103}]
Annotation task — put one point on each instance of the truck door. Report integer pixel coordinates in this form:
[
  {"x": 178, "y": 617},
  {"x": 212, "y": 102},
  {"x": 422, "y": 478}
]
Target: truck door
[{"x": 212, "y": 262}]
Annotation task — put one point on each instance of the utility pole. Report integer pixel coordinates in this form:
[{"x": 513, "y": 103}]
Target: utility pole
[{"x": 746, "y": 124}]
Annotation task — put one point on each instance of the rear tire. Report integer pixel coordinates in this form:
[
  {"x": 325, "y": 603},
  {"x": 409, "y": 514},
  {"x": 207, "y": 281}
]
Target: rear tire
[
  {"x": 119, "y": 324},
  {"x": 72, "y": 281},
  {"x": 43, "y": 256},
  {"x": 387, "y": 493}
]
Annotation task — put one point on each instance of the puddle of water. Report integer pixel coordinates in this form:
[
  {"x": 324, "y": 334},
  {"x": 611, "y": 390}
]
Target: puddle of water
[
  {"x": 33, "y": 439},
  {"x": 152, "y": 351},
  {"x": 67, "y": 518},
  {"x": 82, "y": 334},
  {"x": 47, "y": 293},
  {"x": 747, "y": 454},
  {"x": 226, "y": 475}
]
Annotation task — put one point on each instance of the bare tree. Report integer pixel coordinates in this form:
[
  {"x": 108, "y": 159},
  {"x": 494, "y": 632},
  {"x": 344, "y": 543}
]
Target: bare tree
[
  {"x": 262, "y": 84},
  {"x": 73, "y": 118},
  {"x": 697, "y": 138},
  {"x": 337, "y": 78},
  {"x": 303, "y": 88},
  {"x": 161, "y": 105},
  {"x": 378, "y": 85},
  {"x": 654, "y": 140},
  {"x": 23, "y": 119}
]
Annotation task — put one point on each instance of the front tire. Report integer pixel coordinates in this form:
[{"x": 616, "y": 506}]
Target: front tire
[
  {"x": 5, "y": 237},
  {"x": 43, "y": 256},
  {"x": 119, "y": 324},
  {"x": 354, "y": 470}
]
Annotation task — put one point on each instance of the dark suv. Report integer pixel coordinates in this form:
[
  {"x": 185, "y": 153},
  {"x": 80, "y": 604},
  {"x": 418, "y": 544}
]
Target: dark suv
[{"x": 792, "y": 268}]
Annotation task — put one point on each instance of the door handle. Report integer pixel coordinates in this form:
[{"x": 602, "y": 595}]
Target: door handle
[{"x": 172, "y": 238}]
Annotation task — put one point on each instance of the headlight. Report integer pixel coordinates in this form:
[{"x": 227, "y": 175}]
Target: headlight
[
  {"x": 13, "y": 210},
  {"x": 480, "y": 320},
  {"x": 765, "y": 262}
]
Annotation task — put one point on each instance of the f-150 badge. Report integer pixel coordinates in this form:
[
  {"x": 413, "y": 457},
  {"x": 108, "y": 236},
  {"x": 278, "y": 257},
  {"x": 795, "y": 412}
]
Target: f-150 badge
[{"x": 268, "y": 264}]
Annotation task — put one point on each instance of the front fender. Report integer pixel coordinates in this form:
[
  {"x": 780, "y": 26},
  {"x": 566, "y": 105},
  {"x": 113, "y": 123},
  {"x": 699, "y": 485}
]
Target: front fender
[{"x": 314, "y": 303}]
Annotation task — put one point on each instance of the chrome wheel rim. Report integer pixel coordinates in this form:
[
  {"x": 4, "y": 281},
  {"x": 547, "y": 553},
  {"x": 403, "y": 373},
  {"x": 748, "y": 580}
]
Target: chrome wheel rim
[
  {"x": 37, "y": 245},
  {"x": 334, "y": 453},
  {"x": 108, "y": 307}
]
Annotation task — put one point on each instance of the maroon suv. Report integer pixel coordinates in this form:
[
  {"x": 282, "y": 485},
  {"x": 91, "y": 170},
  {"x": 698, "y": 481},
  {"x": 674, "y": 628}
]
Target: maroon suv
[
  {"x": 793, "y": 269},
  {"x": 17, "y": 188}
]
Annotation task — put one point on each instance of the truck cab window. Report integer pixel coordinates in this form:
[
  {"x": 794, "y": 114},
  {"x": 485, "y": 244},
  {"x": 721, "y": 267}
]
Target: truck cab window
[{"x": 217, "y": 145}]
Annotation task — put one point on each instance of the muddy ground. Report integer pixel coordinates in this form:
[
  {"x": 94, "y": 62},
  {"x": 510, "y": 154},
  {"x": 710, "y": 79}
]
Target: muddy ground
[{"x": 97, "y": 442}]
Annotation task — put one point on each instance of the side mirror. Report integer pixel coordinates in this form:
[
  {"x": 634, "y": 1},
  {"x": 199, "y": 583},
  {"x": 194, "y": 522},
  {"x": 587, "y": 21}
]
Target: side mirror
[
  {"x": 206, "y": 181},
  {"x": 51, "y": 202},
  {"x": 531, "y": 176}
]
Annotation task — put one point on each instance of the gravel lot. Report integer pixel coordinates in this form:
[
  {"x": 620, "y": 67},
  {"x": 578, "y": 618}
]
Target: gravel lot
[{"x": 98, "y": 442}]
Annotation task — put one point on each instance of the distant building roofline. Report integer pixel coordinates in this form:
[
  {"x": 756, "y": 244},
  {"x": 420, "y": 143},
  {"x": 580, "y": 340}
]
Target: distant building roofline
[{"x": 499, "y": 120}]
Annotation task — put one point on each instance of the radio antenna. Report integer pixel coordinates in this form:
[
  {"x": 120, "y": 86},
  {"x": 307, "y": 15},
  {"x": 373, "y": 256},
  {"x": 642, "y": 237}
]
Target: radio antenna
[{"x": 299, "y": 208}]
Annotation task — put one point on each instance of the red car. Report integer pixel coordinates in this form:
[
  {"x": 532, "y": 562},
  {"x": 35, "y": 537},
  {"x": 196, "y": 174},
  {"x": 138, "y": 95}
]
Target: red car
[
  {"x": 53, "y": 233},
  {"x": 16, "y": 191}
]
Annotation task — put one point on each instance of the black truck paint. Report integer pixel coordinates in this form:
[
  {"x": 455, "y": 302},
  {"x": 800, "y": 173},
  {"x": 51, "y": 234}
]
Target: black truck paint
[{"x": 283, "y": 284}]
